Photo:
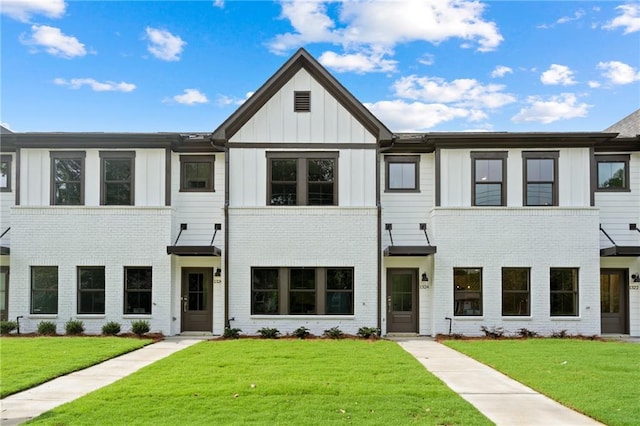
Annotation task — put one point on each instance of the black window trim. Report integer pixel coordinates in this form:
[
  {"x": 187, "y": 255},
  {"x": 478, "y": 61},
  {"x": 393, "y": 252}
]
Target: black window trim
[
  {"x": 126, "y": 290},
  {"x": 9, "y": 160},
  {"x": 540, "y": 155},
  {"x": 390, "y": 159},
  {"x": 67, "y": 155},
  {"x": 31, "y": 270},
  {"x": 489, "y": 155},
  {"x": 184, "y": 159},
  {"x": 120, "y": 155},
  {"x": 78, "y": 290},
  {"x": 612, "y": 158},
  {"x": 481, "y": 292},
  {"x": 575, "y": 292},
  {"x": 528, "y": 291},
  {"x": 301, "y": 174}
]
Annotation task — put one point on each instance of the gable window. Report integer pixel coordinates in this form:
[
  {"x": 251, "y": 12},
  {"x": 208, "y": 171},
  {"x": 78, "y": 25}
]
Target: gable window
[
  {"x": 67, "y": 178},
  {"x": 196, "y": 173},
  {"x": 489, "y": 183},
  {"x": 402, "y": 173},
  {"x": 5, "y": 173},
  {"x": 137, "y": 290},
  {"x": 540, "y": 178},
  {"x": 302, "y": 291},
  {"x": 302, "y": 101},
  {"x": 515, "y": 291},
  {"x": 612, "y": 172},
  {"x": 467, "y": 291},
  {"x": 91, "y": 290},
  {"x": 44, "y": 289},
  {"x": 564, "y": 291},
  {"x": 303, "y": 179},
  {"x": 117, "y": 178}
]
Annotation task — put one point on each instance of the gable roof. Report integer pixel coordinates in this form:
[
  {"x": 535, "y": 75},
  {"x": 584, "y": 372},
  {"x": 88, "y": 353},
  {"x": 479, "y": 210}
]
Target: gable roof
[
  {"x": 628, "y": 126},
  {"x": 301, "y": 59}
]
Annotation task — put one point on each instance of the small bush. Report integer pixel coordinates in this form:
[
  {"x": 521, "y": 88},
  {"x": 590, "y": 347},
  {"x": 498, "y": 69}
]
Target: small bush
[
  {"x": 140, "y": 327},
  {"x": 301, "y": 332},
  {"x": 493, "y": 331},
  {"x": 231, "y": 333},
  {"x": 74, "y": 327},
  {"x": 457, "y": 336},
  {"x": 526, "y": 333},
  {"x": 7, "y": 327},
  {"x": 562, "y": 334},
  {"x": 47, "y": 328},
  {"x": 333, "y": 333},
  {"x": 111, "y": 328},
  {"x": 369, "y": 332},
  {"x": 269, "y": 333}
]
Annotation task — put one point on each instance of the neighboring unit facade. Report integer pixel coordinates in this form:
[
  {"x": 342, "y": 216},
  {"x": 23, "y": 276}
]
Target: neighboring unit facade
[{"x": 303, "y": 209}]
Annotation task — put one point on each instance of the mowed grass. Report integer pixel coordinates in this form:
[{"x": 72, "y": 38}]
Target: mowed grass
[
  {"x": 26, "y": 362},
  {"x": 600, "y": 379},
  {"x": 267, "y": 382}
]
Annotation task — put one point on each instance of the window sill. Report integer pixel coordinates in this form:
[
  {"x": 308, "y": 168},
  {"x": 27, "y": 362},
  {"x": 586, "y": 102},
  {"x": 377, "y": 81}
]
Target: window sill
[
  {"x": 42, "y": 316},
  {"x": 566, "y": 318},
  {"x": 602, "y": 190},
  {"x": 302, "y": 317},
  {"x": 91, "y": 316},
  {"x": 136, "y": 316},
  {"x": 517, "y": 318},
  {"x": 469, "y": 318}
]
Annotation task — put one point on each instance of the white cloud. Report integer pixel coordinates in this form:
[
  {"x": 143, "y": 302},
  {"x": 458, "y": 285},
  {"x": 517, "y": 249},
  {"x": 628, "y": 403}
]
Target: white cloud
[
  {"x": 96, "y": 86},
  {"x": 501, "y": 71},
  {"x": 558, "y": 74},
  {"x": 629, "y": 19},
  {"x": 224, "y": 100},
  {"x": 416, "y": 116},
  {"x": 427, "y": 59},
  {"x": 190, "y": 97},
  {"x": 561, "y": 107},
  {"x": 164, "y": 45},
  {"x": 563, "y": 20},
  {"x": 359, "y": 63},
  {"x": 22, "y": 10},
  {"x": 594, "y": 84},
  {"x": 54, "y": 42},
  {"x": 218, "y": 3},
  {"x": 619, "y": 72},
  {"x": 461, "y": 92}
]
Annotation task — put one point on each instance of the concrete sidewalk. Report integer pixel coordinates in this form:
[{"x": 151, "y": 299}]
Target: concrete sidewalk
[
  {"x": 23, "y": 406},
  {"x": 503, "y": 400}
]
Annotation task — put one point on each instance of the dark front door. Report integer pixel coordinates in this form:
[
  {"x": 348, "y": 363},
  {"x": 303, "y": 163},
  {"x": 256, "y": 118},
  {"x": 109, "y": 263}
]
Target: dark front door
[
  {"x": 402, "y": 300},
  {"x": 614, "y": 308},
  {"x": 197, "y": 299},
  {"x": 4, "y": 293}
]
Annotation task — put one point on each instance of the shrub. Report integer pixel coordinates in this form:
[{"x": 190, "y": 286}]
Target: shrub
[
  {"x": 140, "y": 327},
  {"x": 74, "y": 327},
  {"x": 301, "y": 332},
  {"x": 269, "y": 333},
  {"x": 562, "y": 334},
  {"x": 526, "y": 333},
  {"x": 493, "y": 331},
  {"x": 47, "y": 328},
  {"x": 7, "y": 327},
  {"x": 333, "y": 333},
  {"x": 111, "y": 328},
  {"x": 369, "y": 332},
  {"x": 231, "y": 333}
]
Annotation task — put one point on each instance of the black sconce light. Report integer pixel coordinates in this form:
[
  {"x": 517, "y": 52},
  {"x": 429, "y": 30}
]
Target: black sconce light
[
  {"x": 218, "y": 272},
  {"x": 636, "y": 277},
  {"x": 425, "y": 278}
]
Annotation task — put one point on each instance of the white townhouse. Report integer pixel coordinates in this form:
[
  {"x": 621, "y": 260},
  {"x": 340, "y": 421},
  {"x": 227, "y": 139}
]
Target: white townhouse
[{"x": 303, "y": 209}]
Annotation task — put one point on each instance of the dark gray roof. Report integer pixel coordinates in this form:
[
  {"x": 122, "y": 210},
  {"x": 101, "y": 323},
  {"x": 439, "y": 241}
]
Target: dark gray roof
[
  {"x": 628, "y": 126},
  {"x": 4, "y": 130}
]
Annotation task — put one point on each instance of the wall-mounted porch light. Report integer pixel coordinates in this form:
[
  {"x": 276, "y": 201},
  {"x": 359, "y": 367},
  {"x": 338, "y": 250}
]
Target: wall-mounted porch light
[
  {"x": 218, "y": 272},
  {"x": 636, "y": 277},
  {"x": 425, "y": 278}
]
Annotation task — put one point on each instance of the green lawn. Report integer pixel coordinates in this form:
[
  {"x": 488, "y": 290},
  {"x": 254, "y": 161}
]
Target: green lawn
[
  {"x": 600, "y": 379},
  {"x": 28, "y": 361},
  {"x": 247, "y": 381}
]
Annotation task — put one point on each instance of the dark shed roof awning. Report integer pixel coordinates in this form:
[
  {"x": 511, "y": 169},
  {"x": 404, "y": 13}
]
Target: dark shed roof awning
[
  {"x": 410, "y": 250},
  {"x": 194, "y": 250},
  {"x": 4, "y": 251},
  {"x": 624, "y": 251}
]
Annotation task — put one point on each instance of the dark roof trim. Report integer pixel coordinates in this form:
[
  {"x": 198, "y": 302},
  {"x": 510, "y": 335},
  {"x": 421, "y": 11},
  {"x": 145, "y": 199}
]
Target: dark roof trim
[
  {"x": 194, "y": 250},
  {"x": 304, "y": 145},
  {"x": 619, "y": 144},
  {"x": 410, "y": 250},
  {"x": 622, "y": 251},
  {"x": 301, "y": 59}
]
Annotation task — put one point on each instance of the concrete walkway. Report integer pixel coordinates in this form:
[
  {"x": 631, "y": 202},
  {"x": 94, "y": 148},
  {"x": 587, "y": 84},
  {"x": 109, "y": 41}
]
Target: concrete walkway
[
  {"x": 23, "y": 406},
  {"x": 503, "y": 400}
]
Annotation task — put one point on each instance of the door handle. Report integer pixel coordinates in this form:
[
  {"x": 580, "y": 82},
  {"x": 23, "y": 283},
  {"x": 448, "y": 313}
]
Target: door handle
[
  {"x": 184, "y": 304},
  {"x": 389, "y": 304}
]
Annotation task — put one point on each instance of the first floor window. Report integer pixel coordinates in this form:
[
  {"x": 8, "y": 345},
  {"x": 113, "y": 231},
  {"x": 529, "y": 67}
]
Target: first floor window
[
  {"x": 302, "y": 291},
  {"x": 5, "y": 173},
  {"x": 44, "y": 289},
  {"x": 564, "y": 291},
  {"x": 467, "y": 291},
  {"x": 515, "y": 291},
  {"x": 91, "y": 290},
  {"x": 137, "y": 290}
]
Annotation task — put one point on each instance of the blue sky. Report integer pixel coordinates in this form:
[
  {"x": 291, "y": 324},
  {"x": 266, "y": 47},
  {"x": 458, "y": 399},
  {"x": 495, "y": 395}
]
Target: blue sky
[{"x": 447, "y": 65}]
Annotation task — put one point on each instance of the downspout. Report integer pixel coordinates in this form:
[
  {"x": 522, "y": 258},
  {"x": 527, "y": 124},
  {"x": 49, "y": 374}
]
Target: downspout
[
  {"x": 379, "y": 231},
  {"x": 226, "y": 236}
]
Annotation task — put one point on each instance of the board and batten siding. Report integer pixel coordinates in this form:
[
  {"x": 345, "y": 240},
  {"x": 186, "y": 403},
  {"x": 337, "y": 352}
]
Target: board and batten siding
[{"x": 328, "y": 121}]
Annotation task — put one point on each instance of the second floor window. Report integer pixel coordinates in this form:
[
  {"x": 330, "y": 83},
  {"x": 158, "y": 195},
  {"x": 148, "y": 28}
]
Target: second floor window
[
  {"x": 67, "y": 178},
  {"x": 612, "y": 172},
  {"x": 303, "y": 179},
  {"x": 117, "y": 178},
  {"x": 489, "y": 183},
  {"x": 540, "y": 178},
  {"x": 402, "y": 173},
  {"x": 5, "y": 173},
  {"x": 196, "y": 173}
]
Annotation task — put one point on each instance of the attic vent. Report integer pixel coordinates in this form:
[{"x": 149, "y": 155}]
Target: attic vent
[{"x": 302, "y": 101}]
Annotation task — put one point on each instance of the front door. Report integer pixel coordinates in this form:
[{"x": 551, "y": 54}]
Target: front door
[
  {"x": 197, "y": 299},
  {"x": 613, "y": 301},
  {"x": 402, "y": 301},
  {"x": 4, "y": 293}
]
